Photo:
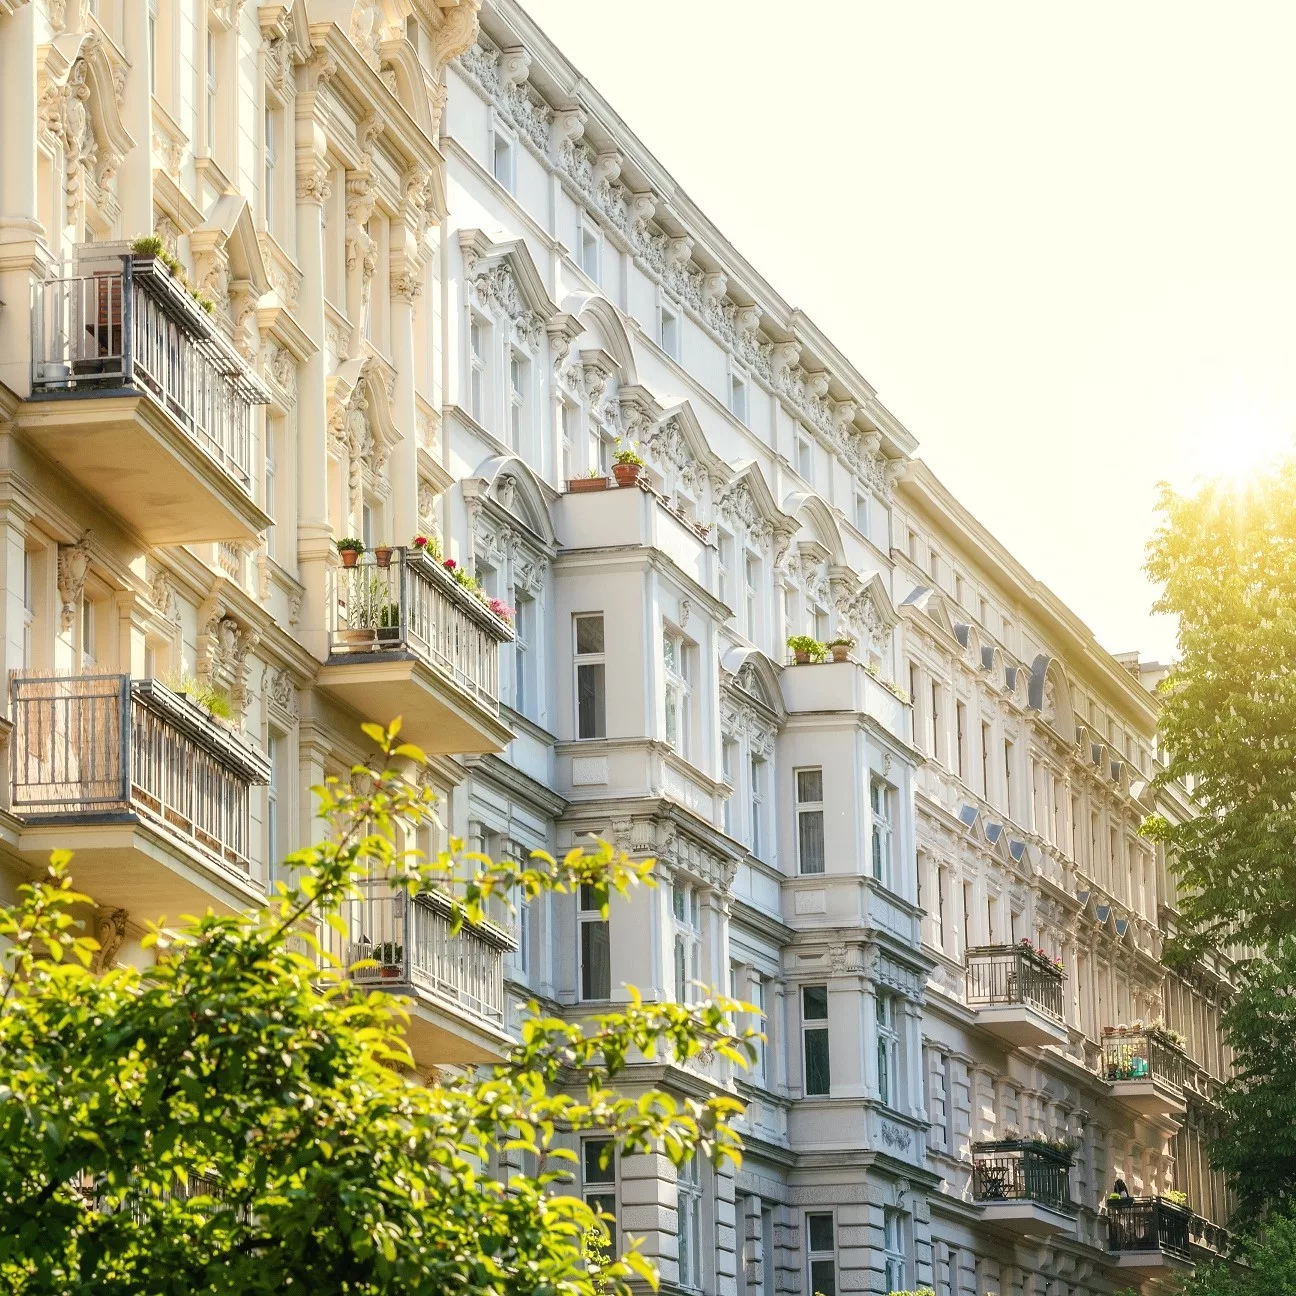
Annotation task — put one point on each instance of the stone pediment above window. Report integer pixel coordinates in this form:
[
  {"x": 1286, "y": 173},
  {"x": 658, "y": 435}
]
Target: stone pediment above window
[
  {"x": 505, "y": 281},
  {"x": 230, "y": 268},
  {"x": 361, "y": 428},
  {"x": 746, "y": 504},
  {"x": 674, "y": 445},
  {"x": 865, "y": 608}
]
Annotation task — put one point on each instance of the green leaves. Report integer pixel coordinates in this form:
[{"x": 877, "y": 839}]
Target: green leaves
[{"x": 240, "y": 1117}]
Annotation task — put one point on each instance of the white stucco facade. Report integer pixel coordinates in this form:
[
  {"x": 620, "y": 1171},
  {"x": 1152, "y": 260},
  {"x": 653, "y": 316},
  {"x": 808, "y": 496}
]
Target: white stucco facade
[{"x": 446, "y": 283}]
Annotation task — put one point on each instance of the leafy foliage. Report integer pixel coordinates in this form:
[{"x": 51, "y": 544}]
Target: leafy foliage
[
  {"x": 1270, "y": 1268},
  {"x": 1227, "y": 561},
  {"x": 234, "y": 1118}
]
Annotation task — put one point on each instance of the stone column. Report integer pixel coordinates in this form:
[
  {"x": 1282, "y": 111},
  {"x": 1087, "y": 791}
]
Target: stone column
[{"x": 406, "y": 287}]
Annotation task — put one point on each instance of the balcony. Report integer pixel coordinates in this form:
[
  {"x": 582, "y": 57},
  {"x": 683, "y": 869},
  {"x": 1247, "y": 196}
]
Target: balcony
[
  {"x": 1017, "y": 995},
  {"x": 1208, "y": 1240},
  {"x": 147, "y": 788},
  {"x": 1148, "y": 1235},
  {"x": 1147, "y": 1070},
  {"x": 407, "y": 640},
  {"x": 455, "y": 982},
  {"x": 142, "y": 401},
  {"x": 1024, "y": 1186}
]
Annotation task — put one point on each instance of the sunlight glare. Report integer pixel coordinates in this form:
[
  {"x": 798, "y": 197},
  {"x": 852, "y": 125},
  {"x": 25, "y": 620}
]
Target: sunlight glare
[{"x": 1234, "y": 454}]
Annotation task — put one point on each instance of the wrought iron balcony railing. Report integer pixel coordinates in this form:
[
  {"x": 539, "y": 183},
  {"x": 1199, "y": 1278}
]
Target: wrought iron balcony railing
[
  {"x": 1145, "y": 1055},
  {"x": 104, "y": 746},
  {"x": 1021, "y": 1170},
  {"x": 411, "y": 946},
  {"x": 1147, "y": 1224},
  {"x": 1208, "y": 1236},
  {"x": 118, "y": 321},
  {"x": 413, "y": 605},
  {"x": 1012, "y": 974}
]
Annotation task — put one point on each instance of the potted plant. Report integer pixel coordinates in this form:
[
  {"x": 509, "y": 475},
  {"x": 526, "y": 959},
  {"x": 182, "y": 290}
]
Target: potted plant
[
  {"x": 628, "y": 466},
  {"x": 806, "y": 649},
  {"x": 389, "y": 623},
  {"x": 382, "y": 555},
  {"x": 593, "y": 481},
  {"x": 840, "y": 647},
  {"x": 350, "y": 549},
  {"x": 391, "y": 960},
  {"x": 501, "y": 609}
]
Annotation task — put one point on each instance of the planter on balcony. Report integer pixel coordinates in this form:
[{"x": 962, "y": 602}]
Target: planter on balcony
[
  {"x": 580, "y": 485},
  {"x": 1148, "y": 1234},
  {"x": 1024, "y": 1185},
  {"x": 1147, "y": 1070},
  {"x": 1017, "y": 994}
]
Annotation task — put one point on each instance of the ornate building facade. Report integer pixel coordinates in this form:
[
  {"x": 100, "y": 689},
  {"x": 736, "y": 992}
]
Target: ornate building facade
[{"x": 276, "y": 276}]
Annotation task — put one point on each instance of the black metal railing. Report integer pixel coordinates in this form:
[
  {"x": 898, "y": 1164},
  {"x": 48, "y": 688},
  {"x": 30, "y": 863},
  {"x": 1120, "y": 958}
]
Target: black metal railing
[
  {"x": 1010, "y": 974},
  {"x": 409, "y": 943},
  {"x": 1147, "y": 1224},
  {"x": 1145, "y": 1055},
  {"x": 412, "y": 604},
  {"x": 1021, "y": 1170},
  {"x": 117, "y": 320},
  {"x": 1207, "y": 1236},
  {"x": 88, "y": 746}
]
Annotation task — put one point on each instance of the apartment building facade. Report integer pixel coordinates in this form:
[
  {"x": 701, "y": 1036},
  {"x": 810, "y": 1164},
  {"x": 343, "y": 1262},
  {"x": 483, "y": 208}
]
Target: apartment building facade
[{"x": 411, "y": 276}]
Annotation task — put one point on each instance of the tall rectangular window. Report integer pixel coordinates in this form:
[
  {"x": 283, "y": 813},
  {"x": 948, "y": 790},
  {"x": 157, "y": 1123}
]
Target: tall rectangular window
[
  {"x": 751, "y": 593},
  {"x": 985, "y": 760},
  {"x": 767, "y": 1251},
  {"x": 758, "y": 996},
  {"x": 756, "y": 791},
  {"x": 477, "y": 370},
  {"x": 810, "y": 820},
  {"x": 821, "y": 1251},
  {"x": 942, "y": 886},
  {"x": 598, "y": 1183},
  {"x": 689, "y": 1208},
  {"x": 29, "y": 606},
  {"x": 738, "y": 397},
  {"x": 1008, "y": 776},
  {"x": 590, "y": 249},
  {"x": 595, "y": 947},
  {"x": 880, "y": 835},
  {"x": 268, "y": 487},
  {"x": 936, "y": 718},
  {"x": 676, "y": 661},
  {"x": 591, "y": 701},
  {"x": 960, "y": 715},
  {"x": 725, "y": 566},
  {"x": 153, "y": 45},
  {"x": 213, "y": 87},
  {"x": 888, "y": 1050},
  {"x": 87, "y": 631},
  {"x": 568, "y": 420},
  {"x": 670, "y": 332},
  {"x": 524, "y": 690},
  {"x": 687, "y": 916},
  {"x": 862, "y": 513},
  {"x": 274, "y": 847},
  {"x": 270, "y": 158},
  {"x": 518, "y": 374},
  {"x": 893, "y": 1246},
  {"x": 814, "y": 1039},
  {"x": 502, "y": 159},
  {"x": 805, "y": 457},
  {"x": 728, "y": 756}
]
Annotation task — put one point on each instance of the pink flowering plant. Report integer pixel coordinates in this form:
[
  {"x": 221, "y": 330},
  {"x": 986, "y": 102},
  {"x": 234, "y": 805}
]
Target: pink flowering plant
[{"x": 501, "y": 609}]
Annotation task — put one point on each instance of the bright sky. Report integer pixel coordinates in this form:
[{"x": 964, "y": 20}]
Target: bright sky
[{"x": 1059, "y": 240}]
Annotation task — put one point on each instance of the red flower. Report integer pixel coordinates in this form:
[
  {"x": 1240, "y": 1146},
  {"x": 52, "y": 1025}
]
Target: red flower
[
  {"x": 450, "y": 564},
  {"x": 420, "y": 542}
]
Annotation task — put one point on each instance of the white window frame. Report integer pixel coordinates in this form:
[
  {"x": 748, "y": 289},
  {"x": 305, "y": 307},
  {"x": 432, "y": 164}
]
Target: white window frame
[
  {"x": 596, "y": 661},
  {"x": 479, "y": 332},
  {"x": 881, "y": 833},
  {"x": 589, "y": 253},
  {"x": 864, "y": 513},
  {"x": 818, "y": 1257},
  {"x": 895, "y": 1253},
  {"x": 668, "y": 329},
  {"x": 739, "y": 395},
  {"x": 589, "y": 915},
  {"x": 688, "y": 1207},
  {"x": 568, "y": 430},
  {"x": 728, "y": 753},
  {"x": 751, "y": 592},
  {"x": 677, "y": 695},
  {"x": 888, "y": 1048},
  {"x": 726, "y": 548},
  {"x": 760, "y": 1062},
  {"x": 269, "y": 467},
  {"x": 524, "y": 615},
  {"x": 757, "y": 773},
  {"x": 812, "y": 1026},
  {"x": 503, "y": 147},
  {"x": 805, "y": 455},
  {"x": 519, "y": 382},
  {"x": 686, "y": 965},
  {"x": 809, "y": 810},
  {"x": 212, "y": 83},
  {"x": 29, "y": 606},
  {"x": 87, "y": 628}
]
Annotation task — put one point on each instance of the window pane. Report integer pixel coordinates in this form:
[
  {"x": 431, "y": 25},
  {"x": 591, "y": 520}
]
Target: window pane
[
  {"x": 821, "y": 1231},
  {"x": 814, "y": 1003},
  {"x": 591, "y": 717},
  {"x": 596, "y": 961},
  {"x": 877, "y": 853},
  {"x": 605, "y": 1204},
  {"x": 810, "y": 840},
  {"x": 817, "y": 1079},
  {"x": 589, "y": 634},
  {"x": 600, "y": 1161},
  {"x": 823, "y": 1278},
  {"x": 809, "y": 785}
]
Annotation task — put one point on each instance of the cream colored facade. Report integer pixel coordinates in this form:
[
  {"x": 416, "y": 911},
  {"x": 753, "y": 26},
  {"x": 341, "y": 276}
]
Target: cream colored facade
[{"x": 444, "y": 279}]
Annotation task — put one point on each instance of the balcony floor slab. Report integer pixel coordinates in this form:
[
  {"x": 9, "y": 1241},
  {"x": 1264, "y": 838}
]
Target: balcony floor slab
[
  {"x": 435, "y": 713},
  {"x": 441, "y": 1033},
  {"x": 1152, "y": 1264},
  {"x": 125, "y": 450},
  {"x": 1029, "y": 1218},
  {"x": 129, "y": 863},
  {"x": 1150, "y": 1097},
  {"x": 1020, "y": 1025}
]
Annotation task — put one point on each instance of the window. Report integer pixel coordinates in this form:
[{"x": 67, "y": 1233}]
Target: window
[
  {"x": 756, "y": 775},
  {"x": 1008, "y": 776},
  {"x": 751, "y": 579},
  {"x": 591, "y": 703},
  {"x": 805, "y": 457},
  {"x": 960, "y": 719},
  {"x": 669, "y": 334},
  {"x": 936, "y": 718},
  {"x": 862, "y": 513},
  {"x": 757, "y": 1000},
  {"x": 880, "y": 804},
  {"x": 767, "y": 1251},
  {"x": 502, "y": 158},
  {"x": 517, "y": 400},
  {"x": 274, "y": 847},
  {"x": 590, "y": 251},
  {"x": 985, "y": 760},
  {"x": 738, "y": 397},
  {"x": 821, "y": 622},
  {"x": 87, "y": 631},
  {"x": 598, "y": 1183},
  {"x": 814, "y": 1038},
  {"x": 822, "y": 1251},
  {"x": 524, "y": 935},
  {"x": 213, "y": 87},
  {"x": 725, "y": 566},
  {"x": 893, "y": 1246},
  {"x": 685, "y": 909},
  {"x": 595, "y": 947},
  {"x": 888, "y": 1050},
  {"x": 913, "y": 702},
  {"x": 153, "y": 45},
  {"x": 524, "y": 690},
  {"x": 676, "y": 659},
  {"x": 810, "y": 820},
  {"x": 728, "y": 751},
  {"x": 568, "y": 420},
  {"x": 29, "y": 606},
  {"x": 942, "y": 885},
  {"x": 268, "y": 488},
  {"x": 270, "y": 156},
  {"x": 689, "y": 1206},
  {"x": 477, "y": 369}
]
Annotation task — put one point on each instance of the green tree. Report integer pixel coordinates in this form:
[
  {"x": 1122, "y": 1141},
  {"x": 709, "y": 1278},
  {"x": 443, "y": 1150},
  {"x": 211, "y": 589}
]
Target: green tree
[
  {"x": 235, "y": 1120},
  {"x": 1227, "y": 561},
  {"x": 1269, "y": 1269}
]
